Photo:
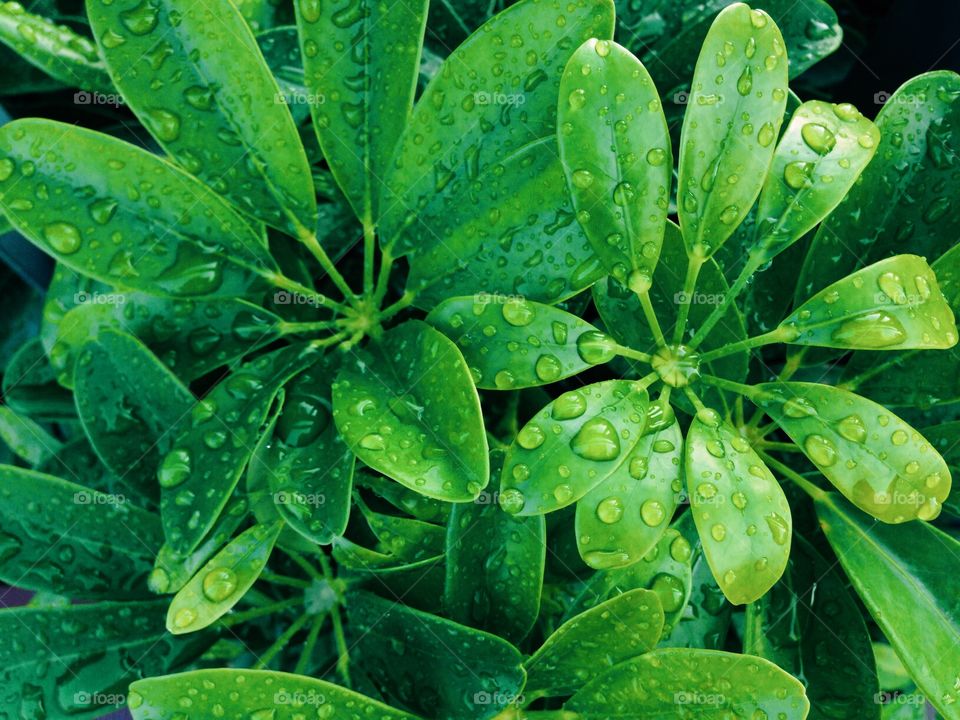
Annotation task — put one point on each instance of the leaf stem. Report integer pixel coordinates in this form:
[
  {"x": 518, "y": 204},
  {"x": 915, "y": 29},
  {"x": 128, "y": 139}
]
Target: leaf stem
[
  {"x": 694, "y": 265},
  {"x": 311, "y": 642},
  {"x": 275, "y": 579},
  {"x": 383, "y": 279},
  {"x": 271, "y": 652},
  {"x": 716, "y": 315},
  {"x": 255, "y": 613},
  {"x": 309, "y": 569},
  {"x": 651, "y": 317},
  {"x": 857, "y": 380},
  {"x": 808, "y": 487},
  {"x": 313, "y": 245},
  {"x": 694, "y": 398},
  {"x": 404, "y": 302},
  {"x": 369, "y": 253},
  {"x": 302, "y": 328},
  {"x": 739, "y": 388},
  {"x": 343, "y": 655},
  {"x": 281, "y": 281},
  {"x": 779, "y": 447},
  {"x": 328, "y": 341},
  {"x": 634, "y": 354},
  {"x": 778, "y": 334}
]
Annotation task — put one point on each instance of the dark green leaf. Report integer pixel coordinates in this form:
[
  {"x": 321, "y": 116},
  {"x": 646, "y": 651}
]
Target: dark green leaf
[
  {"x": 405, "y": 499},
  {"x": 30, "y": 386},
  {"x": 25, "y": 438},
  {"x": 407, "y": 540}
]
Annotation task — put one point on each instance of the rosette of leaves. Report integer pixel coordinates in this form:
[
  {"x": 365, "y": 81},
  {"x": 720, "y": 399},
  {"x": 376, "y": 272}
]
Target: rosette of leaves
[{"x": 444, "y": 473}]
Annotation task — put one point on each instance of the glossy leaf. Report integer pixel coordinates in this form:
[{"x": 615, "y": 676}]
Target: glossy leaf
[
  {"x": 511, "y": 343},
  {"x": 407, "y": 540},
  {"x": 94, "y": 207},
  {"x": 30, "y": 386},
  {"x": 907, "y": 577},
  {"x": 105, "y": 545},
  {"x": 214, "y": 443},
  {"x": 128, "y": 402},
  {"x": 807, "y": 612},
  {"x": 494, "y": 567},
  {"x": 620, "y": 520},
  {"x": 25, "y": 438},
  {"x": 820, "y": 156},
  {"x": 572, "y": 445},
  {"x": 405, "y": 499},
  {"x": 678, "y": 683},
  {"x": 459, "y": 672},
  {"x": 473, "y": 116},
  {"x": 880, "y": 463},
  {"x": 415, "y": 383},
  {"x": 618, "y": 163},
  {"x": 361, "y": 62},
  {"x": 193, "y": 77},
  {"x": 893, "y": 304},
  {"x": 587, "y": 645},
  {"x": 733, "y": 117},
  {"x": 281, "y": 694},
  {"x": 223, "y": 581},
  {"x": 740, "y": 510}
]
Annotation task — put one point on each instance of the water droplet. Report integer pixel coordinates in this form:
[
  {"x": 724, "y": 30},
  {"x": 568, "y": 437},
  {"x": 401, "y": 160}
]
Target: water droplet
[
  {"x": 715, "y": 448},
  {"x": 766, "y": 134},
  {"x": 892, "y": 286},
  {"x": 638, "y": 467},
  {"x": 680, "y": 549},
  {"x": 798, "y": 407},
  {"x": 871, "y": 330},
  {"x": 597, "y": 440},
  {"x": 610, "y": 510},
  {"x": 670, "y": 590},
  {"x": 818, "y": 138},
  {"x": 797, "y": 174},
  {"x": 140, "y": 20},
  {"x": 512, "y": 501},
  {"x": 852, "y": 428},
  {"x": 582, "y": 179},
  {"x": 548, "y": 368},
  {"x": 518, "y": 313},
  {"x": 596, "y": 347},
  {"x": 184, "y": 618},
  {"x": 577, "y": 99},
  {"x": 373, "y": 441},
  {"x": 718, "y": 532},
  {"x": 899, "y": 437},
  {"x": 656, "y": 156},
  {"x": 174, "y": 468},
  {"x": 562, "y": 493},
  {"x": 652, "y": 513},
  {"x": 504, "y": 380},
  {"x": 603, "y": 48},
  {"x": 219, "y": 584},
  {"x": 63, "y": 237},
  {"x": 820, "y": 450},
  {"x": 745, "y": 81},
  {"x": 531, "y": 437},
  {"x": 164, "y": 124},
  {"x": 779, "y": 528},
  {"x": 569, "y": 406}
]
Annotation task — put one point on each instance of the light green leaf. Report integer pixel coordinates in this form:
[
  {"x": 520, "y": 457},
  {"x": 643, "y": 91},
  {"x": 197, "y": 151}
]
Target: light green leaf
[
  {"x": 731, "y": 122},
  {"x": 909, "y": 579},
  {"x": 159, "y": 698},
  {"x": 510, "y": 343},
  {"x": 360, "y": 63},
  {"x": 25, "y": 438},
  {"x": 415, "y": 382},
  {"x": 105, "y": 546},
  {"x": 572, "y": 445},
  {"x": 621, "y": 519},
  {"x": 680, "y": 683},
  {"x": 197, "y": 81},
  {"x": 130, "y": 218},
  {"x": 223, "y": 581},
  {"x": 587, "y": 645},
  {"x": 618, "y": 164},
  {"x": 461, "y": 673},
  {"x": 880, "y": 463},
  {"x": 893, "y": 304},
  {"x": 740, "y": 510}
]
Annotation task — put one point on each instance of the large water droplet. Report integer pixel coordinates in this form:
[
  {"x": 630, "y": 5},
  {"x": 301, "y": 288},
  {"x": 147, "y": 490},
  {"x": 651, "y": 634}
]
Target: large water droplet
[
  {"x": 219, "y": 584},
  {"x": 821, "y": 450},
  {"x": 569, "y": 406},
  {"x": 610, "y": 510},
  {"x": 596, "y": 440},
  {"x": 63, "y": 237},
  {"x": 876, "y": 329},
  {"x": 818, "y": 138},
  {"x": 174, "y": 468}
]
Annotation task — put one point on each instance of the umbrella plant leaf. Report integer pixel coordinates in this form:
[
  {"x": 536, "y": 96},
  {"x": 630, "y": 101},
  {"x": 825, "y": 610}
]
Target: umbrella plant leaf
[
  {"x": 405, "y": 539},
  {"x": 740, "y": 510},
  {"x": 572, "y": 445},
  {"x": 879, "y": 463},
  {"x": 193, "y": 76},
  {"x": 28, "y": 440},
  {"x": 893, "y": 304},
  {"x": 30, "y": 385},
  {"x": 587, "y": 645},
  {"x": 733, "y": 117},
  {"x": 619, "y": 178},
  {"x": 361, "y": 64},
  {"x": 405, "y": 499},
  {"x": 223, "y": 581},
  {"x": 511, "y": 343},
  {"x": 415, "y": 383},
  {"x": 82, "y": 229}
]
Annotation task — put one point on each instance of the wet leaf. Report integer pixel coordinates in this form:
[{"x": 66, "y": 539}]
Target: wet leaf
[
  {"x": 30, "y": 386},
  {"x": 733, "y": 117},
  {"x": 880, "y": 463},
  {"x": 908, "y": 578},
  {"x": 893, "y": 304},
  {"x": 619, "y": 178},
  {"x": 90, "y": 208},
  {"x": 572, "y": 445},
  {"x": 223, "y": 581},
  {"x": 197, "y": 81},
  {"x": 587, "y": 645},
  {"x": 405, "y": 539},
  {"x": 415, "y": 383},
  {"x": 677, "y": 683},
  {"x": 406, "y": 500},
  {"x": 25, "y": 438},
  {"x": 741, "y": 513},
  {"x": 510, "y": 343}
]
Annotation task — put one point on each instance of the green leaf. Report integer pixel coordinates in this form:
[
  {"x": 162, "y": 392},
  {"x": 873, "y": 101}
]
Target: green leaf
[
  {"x": 405, "y": 499},
  {"x": 407, "y": 540},
  {"x": 105, "y": 545},
  {"x": 740, "y": 510},
  {"x": 810, "y": 626},
  {"x": 415, "y": 383},
  {"x": 56, "y": 49},
  {"x": 25, "y": 438},
  {"x": 680, "y": 683},
  {"x": 475, "y": 114},
  {"x": 214, "y": 444},
  {"x": 281, "y": 51},
  {"x": 223, "y": 581},
  {"x": 165, "y": 240},
  {"x": 621, "y": 519},
  {"x": 880, "y": 463},
  {"x": 361, "y": 61},
  {"x": 92, "y": 646},
  {"x": 904, "y": 197},
  {"x": 281, "y": 694},
  {"x": 587, "y": 645},
  {"x": 30, "y": 386},
  {"x": 510, "y": 343},
  {"x": 908, "y": 577},
  {"x": 620, "y": 176},
  {"x": 821, "y": 154},
  {"x": 736, "y": 108},
  {"x": 893, "y": 304},
  {"x": 197, "y": 81},
  {"x": 459, "y": 672},
  {"x": 572, "y": 445},
  {"x": 128, "y": 401},
  {"x": 494, "y": 567}
]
